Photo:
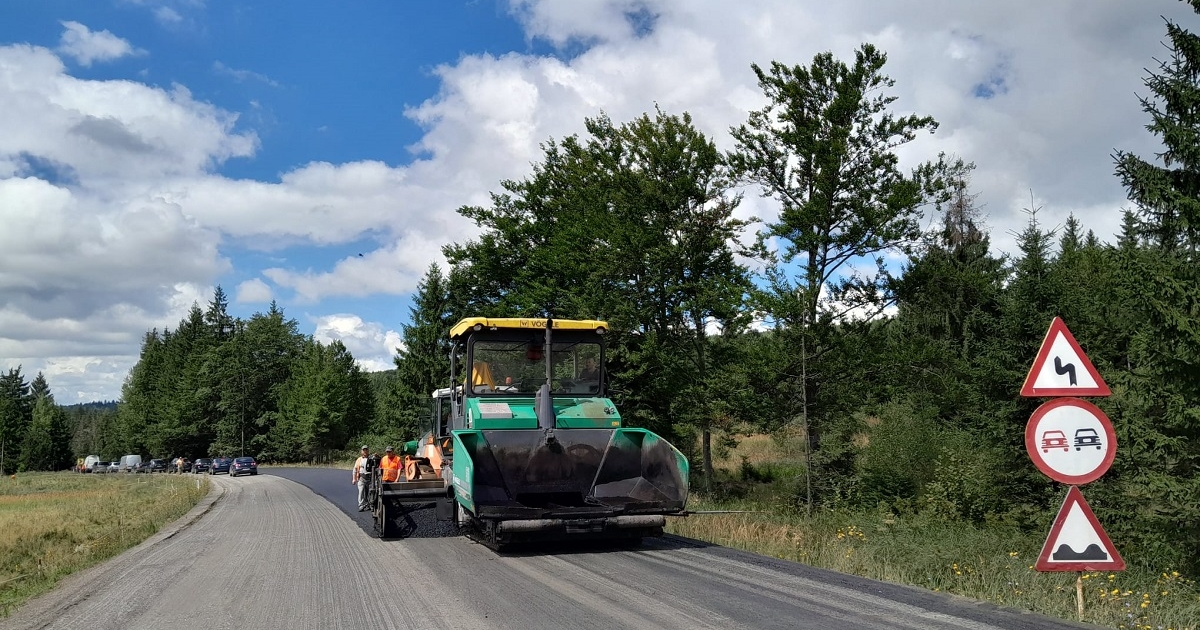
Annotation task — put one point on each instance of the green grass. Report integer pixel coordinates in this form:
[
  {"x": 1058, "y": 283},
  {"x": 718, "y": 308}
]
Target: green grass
[{"x": 54, "y": 524}]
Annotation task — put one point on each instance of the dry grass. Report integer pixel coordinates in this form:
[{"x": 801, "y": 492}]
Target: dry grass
[
  {"x": 991, "y": 563},
  {"x": 53, "y": 524},
  {"x": 764, "y": 449}
]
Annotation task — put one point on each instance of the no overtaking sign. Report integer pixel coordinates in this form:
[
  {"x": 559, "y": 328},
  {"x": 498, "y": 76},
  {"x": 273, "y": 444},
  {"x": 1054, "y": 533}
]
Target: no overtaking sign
[{"x": 1071, "y": 440}]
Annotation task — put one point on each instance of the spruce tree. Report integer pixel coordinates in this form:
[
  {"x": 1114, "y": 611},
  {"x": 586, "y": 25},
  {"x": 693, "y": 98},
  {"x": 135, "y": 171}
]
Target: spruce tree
[
  {"x": 1167, "y": 191},
  {"x": 1156, "y": 401}
]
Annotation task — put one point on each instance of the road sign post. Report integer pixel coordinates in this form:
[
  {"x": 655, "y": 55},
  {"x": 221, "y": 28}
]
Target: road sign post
[{"x": 1071, "y": 441}]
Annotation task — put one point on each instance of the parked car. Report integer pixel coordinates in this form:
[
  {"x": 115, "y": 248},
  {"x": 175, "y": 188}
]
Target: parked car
[
  {"x": 100, "y": 467},
  {"x": 129, "y": 463},
  {"x": 114, "y": 467},
  {"x": 158, "y": 465},
  {"x": 220, "y": 465},
  {"x": 143, "y": 467},
  {"x": 243, "y": 466},
  {"x": 173, "y": 465},
  {"x": 202, "y": 465}
]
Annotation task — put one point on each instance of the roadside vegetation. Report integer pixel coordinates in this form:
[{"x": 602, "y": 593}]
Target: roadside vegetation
[
  {"x": 54, "y": 524},
  {"x": 924, "y": 545}
]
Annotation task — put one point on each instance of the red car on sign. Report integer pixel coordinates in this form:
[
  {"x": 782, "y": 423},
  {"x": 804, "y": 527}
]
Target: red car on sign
[{"x": 1054, "y": 439}]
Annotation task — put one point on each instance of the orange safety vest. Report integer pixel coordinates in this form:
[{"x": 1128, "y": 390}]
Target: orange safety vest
[{"x": 391, "y": 467}]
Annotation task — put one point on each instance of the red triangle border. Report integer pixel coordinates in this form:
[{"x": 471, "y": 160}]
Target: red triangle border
[
  {"x": 1115, "y": 561},
  {"x": 1039, "y": 363}
]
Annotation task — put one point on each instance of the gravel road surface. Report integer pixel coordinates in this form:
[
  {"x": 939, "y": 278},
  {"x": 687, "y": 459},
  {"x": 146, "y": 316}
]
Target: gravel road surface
[{"x": 288, "y": 549}]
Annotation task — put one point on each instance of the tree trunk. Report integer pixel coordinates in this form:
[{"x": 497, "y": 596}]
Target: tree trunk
[
  {"x": 706, "y": 446},
  {"x": 807, "y": 429}
]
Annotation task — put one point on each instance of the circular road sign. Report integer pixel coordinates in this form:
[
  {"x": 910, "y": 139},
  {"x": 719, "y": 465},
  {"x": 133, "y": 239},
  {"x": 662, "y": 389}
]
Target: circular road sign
[{"x": 1071, "y": 440}]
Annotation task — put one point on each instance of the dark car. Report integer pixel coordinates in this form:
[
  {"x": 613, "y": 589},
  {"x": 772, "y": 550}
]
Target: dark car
[
  {"x": 143, "y": 467},
  {"x": 220, "y": 465},
  {"x": 243, "y": 466},
  {"x": 157, "y": 465},
  {"x": 1087, "y": 437},
  {"x": 173, "y": 465},
  {"x": 202, "y": 465}
]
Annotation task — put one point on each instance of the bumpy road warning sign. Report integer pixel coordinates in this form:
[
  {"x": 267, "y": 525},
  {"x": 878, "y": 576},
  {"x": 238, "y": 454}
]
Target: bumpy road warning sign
[{"x": 1077, "y": 542}]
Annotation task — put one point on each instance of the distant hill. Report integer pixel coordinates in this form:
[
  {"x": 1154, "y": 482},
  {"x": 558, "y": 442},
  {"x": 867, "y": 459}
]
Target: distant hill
[
  {"x": 381, "y": 381},
  {"x": 104, "y": 405}
]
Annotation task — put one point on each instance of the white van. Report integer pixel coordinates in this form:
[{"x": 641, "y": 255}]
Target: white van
[
  {"x": 129, "y": 463},
  {"x": 90, "y": 461}
]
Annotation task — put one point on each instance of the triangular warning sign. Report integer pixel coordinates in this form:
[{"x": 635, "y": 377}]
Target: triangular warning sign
[
  {"x": 1062, "y": 369},
  {"x": 1077, "y": 542}
]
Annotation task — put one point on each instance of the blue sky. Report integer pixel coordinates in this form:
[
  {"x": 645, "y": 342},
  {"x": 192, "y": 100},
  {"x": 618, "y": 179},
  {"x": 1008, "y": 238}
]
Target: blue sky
[{"x": 153, "y": 149}]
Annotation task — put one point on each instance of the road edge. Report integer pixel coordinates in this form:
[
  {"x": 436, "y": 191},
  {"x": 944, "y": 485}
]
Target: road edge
[{"x": 43, "y": 610}]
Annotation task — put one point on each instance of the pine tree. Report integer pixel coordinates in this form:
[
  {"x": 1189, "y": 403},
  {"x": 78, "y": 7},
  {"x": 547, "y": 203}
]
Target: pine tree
[
  {"x": 423, "y": 362},
  {"x": 1156, "y": 401},
  {"x": 1168, "y": 195},
  {"x": 16, "y": 413},
  {"x": 47, "y": 442}
]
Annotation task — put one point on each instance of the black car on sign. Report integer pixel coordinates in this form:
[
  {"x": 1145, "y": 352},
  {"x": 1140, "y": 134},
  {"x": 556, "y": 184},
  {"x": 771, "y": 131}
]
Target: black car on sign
[
  {"x": 220, "y": 465},
  {"x": 243, "y": 466},
  {"x": 202, "y": 465}
]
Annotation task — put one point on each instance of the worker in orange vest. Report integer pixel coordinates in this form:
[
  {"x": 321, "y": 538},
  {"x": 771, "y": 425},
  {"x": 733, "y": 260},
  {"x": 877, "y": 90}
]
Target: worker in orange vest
[{"x": 390, "y": 465}]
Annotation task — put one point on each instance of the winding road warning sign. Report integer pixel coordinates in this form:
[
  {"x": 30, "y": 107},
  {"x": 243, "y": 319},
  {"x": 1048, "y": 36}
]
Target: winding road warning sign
[
  {"x": 1077, "y": 542},
  {"x": 1061, "y": 368},
  {"x": 1071, "y": 440}
]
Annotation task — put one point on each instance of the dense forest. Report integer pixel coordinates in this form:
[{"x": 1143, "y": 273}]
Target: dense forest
[{"x": 901, "y": 378}]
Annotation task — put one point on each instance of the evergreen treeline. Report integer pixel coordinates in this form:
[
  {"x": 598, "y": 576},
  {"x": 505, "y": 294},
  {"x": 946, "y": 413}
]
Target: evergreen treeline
[
  {"x": 35, "y": 433},
  {"x": 219, "y": 385},
  {"x": 215, "y": 385}
]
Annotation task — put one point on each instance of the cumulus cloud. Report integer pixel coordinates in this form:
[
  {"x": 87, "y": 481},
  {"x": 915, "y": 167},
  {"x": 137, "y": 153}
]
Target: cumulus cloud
[
  {"x": 253, "y": 292},
  {"x": 94, "y": 255},
  {"x": 395, "y": 270},
  {"x": 372, "y": 346},
  {"x": 85, "y": 46}
]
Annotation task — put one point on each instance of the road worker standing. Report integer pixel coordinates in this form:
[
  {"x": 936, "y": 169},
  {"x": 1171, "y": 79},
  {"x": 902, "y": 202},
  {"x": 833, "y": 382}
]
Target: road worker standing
[{"x": 390, "y": 465}]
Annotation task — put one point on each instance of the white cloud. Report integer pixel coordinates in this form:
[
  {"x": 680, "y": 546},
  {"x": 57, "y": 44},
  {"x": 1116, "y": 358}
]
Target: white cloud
[
  {"x": 372, "y": 346},
  {"x": 167, "y": 15},
  {"x": 110, "y": 138},
  {"x": 394, "y": 270},
  {"x": 243, "y": 76},
  {"x": 564, "y": 21},
  {"x": 253, "y": 291},
  {"x": 86, "y": 46}
]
